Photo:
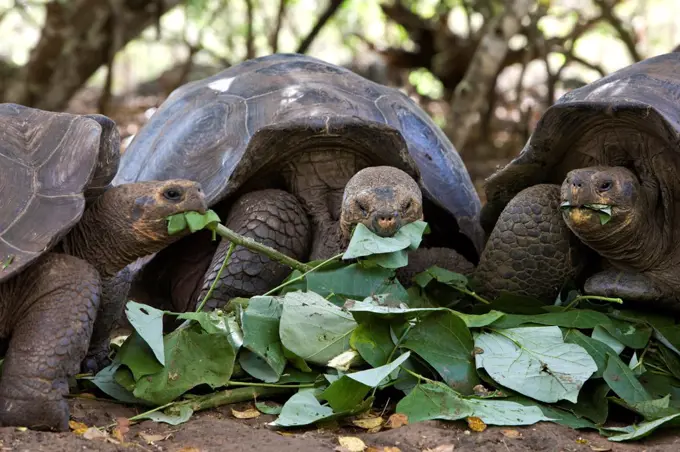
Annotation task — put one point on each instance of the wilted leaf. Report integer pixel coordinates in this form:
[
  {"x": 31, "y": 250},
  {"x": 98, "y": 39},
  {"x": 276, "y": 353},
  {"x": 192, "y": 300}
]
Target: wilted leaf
[
  {"x": 368, "y": 423},
  {"x": 148, "y": 322},
  {"x": 516, "y": 356},
  {"x": 250, "y": 413},
  {"x": 345, "y": 360},
  {"x": 475, "y": 424},
  {"x": 302, "y": 409},
  {"x": 106, "y": 381},
  {"x": 121, "y": 429},
  {"x": 397, "y": 420},
  {"x": 640, "y": 430},
  {"x": 172, "y": 416},
  {"x": 513, "y": 434},
  {"x": 313, "y": 328},
  {"x": 443, "y": 340},
  {"x": 268, "y": 408},
  {"x": 351, "y": 443},
  {"x": 93, "y": 433},
  {"x": 150, "y": 439},
  {"x": 77, "y": 427}
]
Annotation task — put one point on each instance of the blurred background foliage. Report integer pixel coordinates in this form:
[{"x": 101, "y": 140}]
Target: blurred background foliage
[{"x": 123, "y": 57}]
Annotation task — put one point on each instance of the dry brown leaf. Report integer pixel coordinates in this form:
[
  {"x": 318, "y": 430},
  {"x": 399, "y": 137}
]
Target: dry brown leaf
[
  {"x": 351, "y": 443},
  {"x": 94, "y": 433},
  {"x": 77, "y": 427},
  {"x": 475, "y": 424},
  {"x": 511, "y": 433},
  {"x": 600, "y": 448},
  {"x": 442, "y": 448},
  {"x": 250, "y": 413},
  {"x": 150, "y": 439},
  {"x": 86, "y": 395},
  {"x": 368, "y": 423},
  {"x": 391, "y": 449},
  {"x": 397, "y": 420},
  {"x": 122, "y": 427},
  {"x": 286, "y": 433},
  {"x": 189, "y": 449},
  {"x": 582, "y": 441}
]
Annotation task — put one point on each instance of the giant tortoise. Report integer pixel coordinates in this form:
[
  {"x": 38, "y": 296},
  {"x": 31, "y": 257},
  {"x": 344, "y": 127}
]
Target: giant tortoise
[
  {"x": 599, "y": 175},
  {"x": 274, "y": 141},
  {"x": 60, "y": 260}
]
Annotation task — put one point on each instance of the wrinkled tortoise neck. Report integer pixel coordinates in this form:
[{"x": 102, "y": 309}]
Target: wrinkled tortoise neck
[{"x": 106, "y": 238}]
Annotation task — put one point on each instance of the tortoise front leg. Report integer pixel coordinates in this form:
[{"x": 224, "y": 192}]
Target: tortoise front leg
[
  {"x": 115, "y": 292},
  {"x": 272, "y": 217},
  {"x": 51, "y": 308}
]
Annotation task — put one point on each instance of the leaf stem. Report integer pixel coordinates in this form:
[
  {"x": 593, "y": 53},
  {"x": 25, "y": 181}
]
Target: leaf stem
[
  {"x": 300, "y": 277},
  {"x": 200, "y": 306},
  {"x": 580, "y": 298},
  {"x": 269, "y": 385},
  {"x": 418, "y": 376},
  {"x": 396, "y": 346},
  {"x": 251, "y": 244},
  {"x": 471, "y": 293}
]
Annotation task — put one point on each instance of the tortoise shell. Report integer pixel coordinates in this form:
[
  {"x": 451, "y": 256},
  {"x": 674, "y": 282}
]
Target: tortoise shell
[
  {"x": 47, "y": 161},
  {"x": 222, "y": 130},
  {"x": 629, "y": 118}
]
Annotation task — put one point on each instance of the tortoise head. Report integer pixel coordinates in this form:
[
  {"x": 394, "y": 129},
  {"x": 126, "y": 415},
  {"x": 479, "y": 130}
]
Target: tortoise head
[
  {"x": 600, "y": 200},
  {"x": 143, "y": 208},
  {"x": 383, "y": 198}
]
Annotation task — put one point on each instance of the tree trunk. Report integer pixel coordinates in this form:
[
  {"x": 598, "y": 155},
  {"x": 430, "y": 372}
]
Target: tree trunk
[{"x": 75, "y": 42}]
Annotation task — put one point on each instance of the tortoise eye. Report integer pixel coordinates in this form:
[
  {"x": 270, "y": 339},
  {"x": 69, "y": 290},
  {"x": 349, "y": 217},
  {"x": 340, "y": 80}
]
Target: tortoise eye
[
  {"x": 173, "y": 194},
  {"x": 407, "y": 205},
  {"x": 604, "y": 186},
  {"x": 362, "y": 207}
]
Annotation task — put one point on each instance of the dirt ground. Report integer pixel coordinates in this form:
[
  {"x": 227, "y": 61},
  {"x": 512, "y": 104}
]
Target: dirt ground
[{"x": 219, "y": 430}]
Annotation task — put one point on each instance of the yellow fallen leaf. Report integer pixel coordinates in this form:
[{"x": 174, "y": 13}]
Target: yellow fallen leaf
[
  {"x": 286, "y": 433},
  {"x": 397, "y": 420},
  {"x": 511, "y": 433},
  {"x": 391, "y": 449},
  {"x": 86, "y": 395},
  {"x": 21, "y": 429},
  {"x": 582, "y": 441},
  {"x": 189, "y": 449},
  {"x": 94, "y": 433},
  {"x": 77, "y": 427},
  {"x": 368, "y": 423},
  {"x": 250, "y": 413},
  {"x": 600, "y": 449},
  {"x": 476, "y": 424},
  {"x": 122, "y": 427},
  {"x": 352, "y": 443}
]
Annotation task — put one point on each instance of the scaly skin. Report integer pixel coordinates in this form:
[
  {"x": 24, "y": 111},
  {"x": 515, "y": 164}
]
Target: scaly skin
[{"x": 48, "y": 311}]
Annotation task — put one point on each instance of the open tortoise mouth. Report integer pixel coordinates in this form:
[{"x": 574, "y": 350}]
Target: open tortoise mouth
[{"x": 603, "y": 210}]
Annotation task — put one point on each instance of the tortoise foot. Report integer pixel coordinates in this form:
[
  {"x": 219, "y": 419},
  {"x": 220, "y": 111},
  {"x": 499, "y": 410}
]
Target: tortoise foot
[{"x": 40, "y": 413}]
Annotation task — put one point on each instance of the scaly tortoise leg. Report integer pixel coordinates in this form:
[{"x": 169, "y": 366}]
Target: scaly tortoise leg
[
  {"x": 530, "y": 251},
  {"x": 51, "y": 308},
  {"x": 272, "y": 217},
  {"x": 421, "y": 259},
  {"x": 115, "y": 292}
]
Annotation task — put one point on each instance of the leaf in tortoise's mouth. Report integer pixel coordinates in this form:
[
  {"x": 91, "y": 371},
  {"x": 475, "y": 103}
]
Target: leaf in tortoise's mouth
[{"x": 604, "y": 210}]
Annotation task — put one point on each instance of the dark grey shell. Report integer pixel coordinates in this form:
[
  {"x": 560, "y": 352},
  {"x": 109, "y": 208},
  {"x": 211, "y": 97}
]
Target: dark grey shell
[
  {"x": 221, "y": 130},
  {"x": 47, "y": 161},
  {"x": 629, "y": 118}
]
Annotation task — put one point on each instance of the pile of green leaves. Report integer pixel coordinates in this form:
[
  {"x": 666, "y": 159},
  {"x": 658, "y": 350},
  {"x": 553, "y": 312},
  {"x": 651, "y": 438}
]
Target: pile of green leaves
[{"x": 334, "y": 338}]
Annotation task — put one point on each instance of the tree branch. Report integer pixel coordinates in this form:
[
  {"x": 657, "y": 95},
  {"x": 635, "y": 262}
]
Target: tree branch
[
  {"x": 274, "y": 37},
  {"x": 250, "y": 38},
  {"x": 333, "y": 6},
  {"x": 626, "y": 36}
]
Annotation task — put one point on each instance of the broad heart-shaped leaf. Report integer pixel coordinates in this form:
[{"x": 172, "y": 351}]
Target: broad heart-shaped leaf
[
  {"x": 366, "y": 243},
  {"x": 440, "y": 275},
  {"x": 176, "y": 223},
  {"x": 105, "y": 380},
  {"x": 437, "y": 401},
  {"x": 302, "y": 409},
  {"x": 630, "y": 335},
  {"x": 260, "y": 324},
  {"x": 443, "y": 340},
  {"x": 193, "y": 357},
  {"x": 356, "y": 282},
  {"x": 601, "y": 335},
  {"x": 597, "y": 350},
  {"x": 138, "y": 357},
  {"x": 313, "y": 328},
  {"x": 148, "y": 322},
  {"x": 349, "y": 390},
  {"x": 535, "y": 361},
  {"x": 195, "y": 221},
  {"x": 640, "y": 430}
]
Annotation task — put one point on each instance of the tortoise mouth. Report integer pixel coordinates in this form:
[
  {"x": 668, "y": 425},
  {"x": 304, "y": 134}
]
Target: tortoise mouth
[{"x": 604, "y": 211}]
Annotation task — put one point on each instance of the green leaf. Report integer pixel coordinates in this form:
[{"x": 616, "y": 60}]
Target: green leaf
[
  {"x": 349, "y": 390},
  {"x": 313, "y": 328},
  {"x": 576, "y": 318},
  {"x": 355, "y": 282},
  {"x": 302, "y": 409},
  {"x": 535, "y": 361},
  {"x": 265, "y": 408},
  {"x": 479, "y": 320},
  {"x": 623, "y": 382},
  {"x": 197, "y": 221},
  {"x": 373, "y": 342},
  {"x": 440, "y": 275},
  {"x": 658, "y": 386},
  {"x": 654, "y": 409},
  {"x": 257, "y": 367},
  {"x": 105, "y": 380},
  {"x": 194, "y": 357},
  {"x": 604, "y": 211},
  {"x": 138, "y": 357},
  {"x": 366, "y": 243},
  {"x": 260, "y": 324},
  {"x": 669, "y": 336},
  {"x": 393, "y": 260},
  {"x": 148, "y": 322},
  {"x": 640, "y": 430},
  {"x": 633, "y": 336},
  {"x": 444, "y": 341},
  {"x": 597, "y": 350},
  {"x": 437, "y": 401},
  {"x": 592, "y": 402},
  {"x": 601, "y": 335},
  {"x": 170, "y": 416},
  {"x": 176, "y": 223},
  {"x": 671, "y": 360}
]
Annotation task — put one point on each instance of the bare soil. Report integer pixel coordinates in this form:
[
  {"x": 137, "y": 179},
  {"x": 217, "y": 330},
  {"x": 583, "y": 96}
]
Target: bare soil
[{"x": 219, "y": 430}]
